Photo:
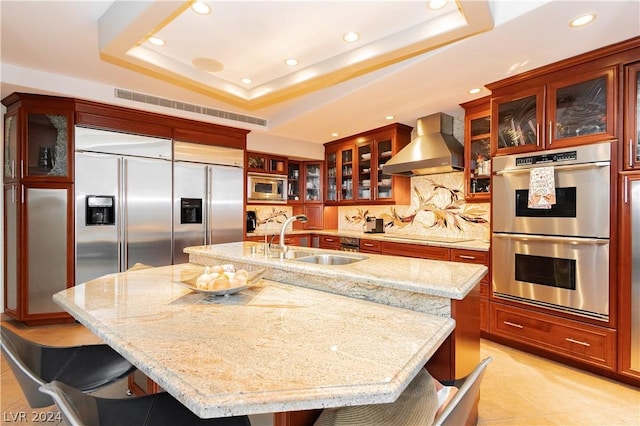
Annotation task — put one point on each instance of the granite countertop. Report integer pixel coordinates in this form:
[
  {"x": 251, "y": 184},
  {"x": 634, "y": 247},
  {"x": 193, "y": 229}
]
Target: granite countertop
[
  {"x": 455, "y": 243},
  {"x": 270, "y": 348},
  {"x": 451, "y": 280}
]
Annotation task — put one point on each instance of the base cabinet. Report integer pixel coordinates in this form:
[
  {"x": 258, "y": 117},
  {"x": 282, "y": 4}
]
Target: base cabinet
[{"x": 570, "y": 339}]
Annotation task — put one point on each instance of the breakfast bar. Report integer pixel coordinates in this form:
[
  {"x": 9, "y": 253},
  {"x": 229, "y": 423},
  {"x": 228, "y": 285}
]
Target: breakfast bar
[{"x": 270, "y": 348}]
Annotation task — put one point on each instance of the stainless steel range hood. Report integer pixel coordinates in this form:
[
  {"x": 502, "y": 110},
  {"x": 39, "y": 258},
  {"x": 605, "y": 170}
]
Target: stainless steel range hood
[{"x": 433, "y": 150}]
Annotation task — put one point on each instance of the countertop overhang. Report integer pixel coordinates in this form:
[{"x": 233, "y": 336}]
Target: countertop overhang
[{"x": 270, "y": 348}]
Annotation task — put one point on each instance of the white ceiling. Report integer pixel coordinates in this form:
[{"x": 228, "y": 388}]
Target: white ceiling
[{"x": 55, "y": 47}]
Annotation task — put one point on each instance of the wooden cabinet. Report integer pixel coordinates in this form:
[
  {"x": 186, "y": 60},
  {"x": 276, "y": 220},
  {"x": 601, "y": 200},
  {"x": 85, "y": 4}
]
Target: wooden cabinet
[
  {"x": 629, "y": 277},
  {"x": 415, "y": 250},
  {"x": 354, "y": 168},
  {"x": 477, "y": 150},
  {"x": 632, "y": 116},
  {"x": 294, "y": 182},
  {"x": 586, "y": 343},
  {"x": 480, "y": 258},
  {"x": 266, "y": 163},
  {"x": 38, "y": 203},
  {"x": 370, "y": 246},
  {"x": 305, "y": 182},
  {"x": 329, "y": 242},
  {"x": 568, "y": 108}
]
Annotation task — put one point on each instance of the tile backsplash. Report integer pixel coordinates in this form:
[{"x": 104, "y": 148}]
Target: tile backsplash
[{"x": 437, "y": 209}]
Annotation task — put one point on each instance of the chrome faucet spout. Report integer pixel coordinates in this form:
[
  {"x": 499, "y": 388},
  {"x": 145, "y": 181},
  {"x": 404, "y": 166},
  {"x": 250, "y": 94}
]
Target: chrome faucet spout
[{"x": 302, "y": 218}]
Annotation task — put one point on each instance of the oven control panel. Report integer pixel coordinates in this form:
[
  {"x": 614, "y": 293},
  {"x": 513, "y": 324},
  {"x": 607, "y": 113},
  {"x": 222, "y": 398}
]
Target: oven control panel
[{"x": 547, "y": 158}]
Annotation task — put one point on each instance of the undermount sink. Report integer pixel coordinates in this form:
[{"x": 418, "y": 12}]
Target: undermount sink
[{"x": 330, "y": 259}]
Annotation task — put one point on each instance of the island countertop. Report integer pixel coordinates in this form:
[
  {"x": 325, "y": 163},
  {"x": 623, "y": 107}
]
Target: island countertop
[
  {"x": 444, "y": 279},
  {"x": 270, "y": 348}
]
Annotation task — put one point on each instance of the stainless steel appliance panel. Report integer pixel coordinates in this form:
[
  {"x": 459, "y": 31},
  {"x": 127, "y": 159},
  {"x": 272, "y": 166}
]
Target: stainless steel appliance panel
[
  {"x": 635, "y": 274},
  {"x": 147, "y": 212},
  {"x": 97, "y": 247},
  {"x": 570, "y": 274},
  {"x": 585, "y": 189},
  {"x": 226, "y": 208},
  {"x": 47, "y": 247},
  {"x": 11, "y": 214},
  {"x": 189, "y": 181},
  {"x": 109, "y": 142}
]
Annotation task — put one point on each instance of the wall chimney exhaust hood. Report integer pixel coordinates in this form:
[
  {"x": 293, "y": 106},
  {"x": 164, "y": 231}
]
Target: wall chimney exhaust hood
[{"x": 433, "y": 150}]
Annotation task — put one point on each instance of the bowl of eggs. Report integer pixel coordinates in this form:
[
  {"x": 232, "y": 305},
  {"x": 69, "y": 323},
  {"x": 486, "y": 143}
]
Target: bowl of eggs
[{"x": 220, "y": 280}]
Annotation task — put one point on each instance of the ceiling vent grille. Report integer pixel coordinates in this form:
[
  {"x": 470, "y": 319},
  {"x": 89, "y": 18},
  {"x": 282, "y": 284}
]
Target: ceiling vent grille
[{"x": 183, "y": 106}]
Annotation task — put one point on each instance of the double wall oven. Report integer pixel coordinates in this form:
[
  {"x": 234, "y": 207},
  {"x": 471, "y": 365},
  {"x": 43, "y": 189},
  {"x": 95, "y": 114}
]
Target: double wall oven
[{"x": 557, "y": 258}]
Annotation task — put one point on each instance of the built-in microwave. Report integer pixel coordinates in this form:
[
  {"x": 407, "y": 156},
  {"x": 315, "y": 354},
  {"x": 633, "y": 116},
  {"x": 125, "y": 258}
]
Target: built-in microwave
[{"x": 265, "y": 188}]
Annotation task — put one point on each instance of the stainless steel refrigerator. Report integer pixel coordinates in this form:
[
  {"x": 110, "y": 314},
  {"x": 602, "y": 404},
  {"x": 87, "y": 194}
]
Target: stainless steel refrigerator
[
  {"x": 123, "y": 190},
  {"x": 208, "y": 195}
]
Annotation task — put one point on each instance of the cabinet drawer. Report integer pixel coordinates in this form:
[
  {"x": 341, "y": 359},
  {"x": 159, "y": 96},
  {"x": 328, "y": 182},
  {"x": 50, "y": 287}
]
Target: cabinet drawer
[
  {"x": 327, "y": 241},
  {"x": 484, "y": 315},
  {"x": 470, "y": 256},
  {"x": 484, "y": 288},
  {"x": 583, "y": 342},
  {"x": 371, "y": 246},
  {"x": 415, "y": 250}
]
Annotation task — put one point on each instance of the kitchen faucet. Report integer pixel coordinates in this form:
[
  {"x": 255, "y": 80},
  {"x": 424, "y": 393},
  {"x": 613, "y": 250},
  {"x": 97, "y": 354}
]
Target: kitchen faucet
[{"x": 302, "y": 218}]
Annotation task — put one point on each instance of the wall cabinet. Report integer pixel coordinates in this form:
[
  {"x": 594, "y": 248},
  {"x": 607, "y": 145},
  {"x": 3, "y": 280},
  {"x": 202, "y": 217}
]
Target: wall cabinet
[
  {"x": 632, "y": 117},
  {"x": 266, "y": 163},
  {"x": 354, "y": 168},
  {"x": 577, "y": 108},
  {"x": 305, "y": 183},
  {"x": 477, "y": 150}
]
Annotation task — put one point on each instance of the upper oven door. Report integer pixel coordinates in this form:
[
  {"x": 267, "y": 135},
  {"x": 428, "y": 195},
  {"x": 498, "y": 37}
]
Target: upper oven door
[{"x": 581, "y": 209}]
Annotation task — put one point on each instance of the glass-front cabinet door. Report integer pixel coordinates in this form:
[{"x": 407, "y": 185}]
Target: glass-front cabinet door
[
  {"x": 517, "y": 120},
  {"x": 312, "y": 182},
  {"x": 347, "y": 177},
  {"x": 632, "y": 117},
  {"x": 331, "y": 190},
  {"x": 11, "y": 147},
  {"x": 384, "y": 182},
  {"x": 47, "y": 145},
  {"x": 294, "y": 181},
  {"x": 580, "y": 111},
  {"x": 365, "y": 174},
  {"x": 477, "y": 139}
]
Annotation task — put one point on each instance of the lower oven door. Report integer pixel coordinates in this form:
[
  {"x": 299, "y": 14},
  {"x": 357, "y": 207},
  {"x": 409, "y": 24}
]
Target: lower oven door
[{"x": 565, "y": 273}]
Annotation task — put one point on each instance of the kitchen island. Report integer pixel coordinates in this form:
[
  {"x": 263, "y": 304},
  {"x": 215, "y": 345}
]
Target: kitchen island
[
  {"x": 271, "y": 348},
  {"x": 448, "y": 289}
]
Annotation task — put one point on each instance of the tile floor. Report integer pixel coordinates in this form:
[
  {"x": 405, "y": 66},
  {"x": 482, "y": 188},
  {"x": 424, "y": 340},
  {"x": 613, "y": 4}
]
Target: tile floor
[{"x": 518, "y": 388}]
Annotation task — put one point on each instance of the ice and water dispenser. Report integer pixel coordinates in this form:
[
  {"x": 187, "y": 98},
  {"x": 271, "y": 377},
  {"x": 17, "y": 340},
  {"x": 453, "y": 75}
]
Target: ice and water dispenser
[
  {"x": 100, "y": 210},
  {"x": 190, "y": 210}
]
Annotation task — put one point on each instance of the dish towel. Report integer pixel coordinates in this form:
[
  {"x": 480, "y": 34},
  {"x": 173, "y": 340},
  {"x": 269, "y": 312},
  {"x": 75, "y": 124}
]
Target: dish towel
[{"x": 542, "y": 188}]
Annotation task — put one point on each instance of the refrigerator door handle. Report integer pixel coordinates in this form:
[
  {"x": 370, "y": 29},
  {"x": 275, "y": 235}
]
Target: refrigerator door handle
[
  {"x": 122, "y": 231},
  {"x": 207, "y": 206}
]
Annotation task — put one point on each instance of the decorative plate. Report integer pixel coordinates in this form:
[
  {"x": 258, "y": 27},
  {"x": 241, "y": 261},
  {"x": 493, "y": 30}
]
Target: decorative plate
[{"x": 253, "y": 277}]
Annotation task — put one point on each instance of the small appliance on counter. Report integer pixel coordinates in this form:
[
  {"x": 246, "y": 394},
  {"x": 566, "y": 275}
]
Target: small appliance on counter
[
  {"x": 374, "y": 226},
  {"x": 252, "y": 221}
]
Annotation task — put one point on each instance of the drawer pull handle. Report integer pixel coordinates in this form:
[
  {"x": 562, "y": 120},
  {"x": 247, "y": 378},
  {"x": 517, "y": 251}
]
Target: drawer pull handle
[
  {"x": 466, "y": 256},
  {"x": 578, "y": 342},
  {"x": 512, "y": 324},
  {"x": 367, "y": 244}
]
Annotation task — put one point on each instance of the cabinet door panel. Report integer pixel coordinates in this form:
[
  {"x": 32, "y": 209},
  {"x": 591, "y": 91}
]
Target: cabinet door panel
[
  {"x": 47, "y": 246},
  {"x": 632, "y": 117},
  {"x": 517, "y": 121},
  {"x": 11, "y": 148},
  {"x": 11, "y": 247},
  {"x": 47, "y": 148}
]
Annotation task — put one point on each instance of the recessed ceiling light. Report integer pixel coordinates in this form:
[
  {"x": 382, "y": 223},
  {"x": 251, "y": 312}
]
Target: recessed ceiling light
[
  {"x": 201, "y": 8},
  {"x": 389, "y": 117},
  {"x": 246, "y": 80},
  {"x": 351, "y": 37},
  {"x": 208, "y": 64},
  {"x": 291, "y": 62},
  {"x": 157, "y": 41},
  {"x": 582, "y": 20},
  {"x": 474, "y": 90},
  {"x": 436, "y": 4},
  {"x": 335, "y": 135}
]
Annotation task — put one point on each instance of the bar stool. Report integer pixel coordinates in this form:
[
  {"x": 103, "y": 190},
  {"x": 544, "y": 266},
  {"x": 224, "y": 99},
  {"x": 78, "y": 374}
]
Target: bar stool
[{"x": 86, "y": 368}]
